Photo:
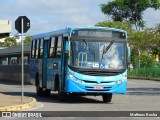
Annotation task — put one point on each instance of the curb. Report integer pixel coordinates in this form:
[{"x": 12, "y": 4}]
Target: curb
[
  {"x": 144, "y": 78},
  {"x": 19, "y": 107}
]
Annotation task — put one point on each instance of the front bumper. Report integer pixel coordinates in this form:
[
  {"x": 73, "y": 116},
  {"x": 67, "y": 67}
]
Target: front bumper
[{"x": 74, "y": 87}]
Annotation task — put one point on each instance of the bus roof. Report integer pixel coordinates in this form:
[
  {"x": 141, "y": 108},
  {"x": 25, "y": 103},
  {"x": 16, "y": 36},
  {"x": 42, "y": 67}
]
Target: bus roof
[
  {"x": 50, "y": 33},
  {"x": 97, "y": 27},
  {"x": 69, "y": 29}
]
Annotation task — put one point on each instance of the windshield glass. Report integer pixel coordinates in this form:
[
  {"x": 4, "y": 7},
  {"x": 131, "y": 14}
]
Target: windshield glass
[{"x": 97, "y": 55}]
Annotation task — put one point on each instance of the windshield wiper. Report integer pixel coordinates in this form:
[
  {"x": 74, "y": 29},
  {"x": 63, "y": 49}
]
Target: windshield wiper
[
  {"x": 108, "y": 47},
  {"x": 85, "y": 41}
]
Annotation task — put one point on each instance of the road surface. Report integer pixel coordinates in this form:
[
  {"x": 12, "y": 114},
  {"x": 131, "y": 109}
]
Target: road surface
[{"x": 142, "y": 95}]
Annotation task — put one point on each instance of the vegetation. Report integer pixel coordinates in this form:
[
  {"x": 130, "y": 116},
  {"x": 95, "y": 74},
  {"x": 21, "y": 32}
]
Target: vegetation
[
  {"x": 11, "y": 42},
  {"x": 149, "y": 72},
  {"x": 116, "y": 24},
  {"x": 129, "y": 10},
  {"x": 8, "y": 42},
  {"x": 27, "y": 40},
  {"x": 145, "y": 42}
]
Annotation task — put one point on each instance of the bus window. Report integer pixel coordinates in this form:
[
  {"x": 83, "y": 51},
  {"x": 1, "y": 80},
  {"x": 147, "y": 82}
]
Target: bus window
[
  {"x": 51, "y": 48},
  {"x": 37, "y": 49},
  {"x": 41, "y": 48},
  {"x": 33, "y": 49},
  {"x": 58, "y": 47}
]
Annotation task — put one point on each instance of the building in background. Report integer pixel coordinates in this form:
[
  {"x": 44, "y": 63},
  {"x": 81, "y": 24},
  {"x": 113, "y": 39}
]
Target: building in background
[{"x": 5, "y": 29}]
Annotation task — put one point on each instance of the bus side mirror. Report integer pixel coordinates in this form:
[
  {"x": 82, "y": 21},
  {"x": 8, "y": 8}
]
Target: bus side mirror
[
  {"x": 128, "y": 57},
  {"x": 128, "y": 51}
]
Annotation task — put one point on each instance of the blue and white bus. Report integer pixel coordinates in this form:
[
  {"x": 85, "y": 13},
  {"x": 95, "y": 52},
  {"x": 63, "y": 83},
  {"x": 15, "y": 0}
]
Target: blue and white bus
[{"x": 80, "y": 60}]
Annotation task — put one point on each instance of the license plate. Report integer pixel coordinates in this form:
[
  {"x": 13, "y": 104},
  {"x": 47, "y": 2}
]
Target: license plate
[{"x": 98, "y": 87}]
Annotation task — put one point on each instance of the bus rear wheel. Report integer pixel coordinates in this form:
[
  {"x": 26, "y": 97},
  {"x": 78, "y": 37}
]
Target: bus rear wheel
[
  {"x": 38, "y": 89},
  {"x": 61, "y": 95},
  {"x": 107, "y": 98},
  {"x": 41, "y": 92},
  {"x": 47, "y": 92}
]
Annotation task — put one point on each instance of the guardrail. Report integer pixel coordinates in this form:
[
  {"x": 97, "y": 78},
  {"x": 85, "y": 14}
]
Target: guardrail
[{"x": 152, "y": 71}]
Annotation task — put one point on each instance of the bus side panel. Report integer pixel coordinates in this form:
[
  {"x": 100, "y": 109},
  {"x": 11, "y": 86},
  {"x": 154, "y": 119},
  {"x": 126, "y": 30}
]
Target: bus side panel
[
  {"x": 33, "y": 69},
  {"x": 40, "y": 71},
  {"x": 52, "y": 71}
]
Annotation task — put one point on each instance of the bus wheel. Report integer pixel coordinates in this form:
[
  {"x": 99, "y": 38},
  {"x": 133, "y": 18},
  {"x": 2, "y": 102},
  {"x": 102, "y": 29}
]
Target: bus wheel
[
  {"x": 107, "y": 97},
  {"x": 61, "y": 95},
  {"x": 48, "y": 92},
  {"x": 38, "y": 89}
]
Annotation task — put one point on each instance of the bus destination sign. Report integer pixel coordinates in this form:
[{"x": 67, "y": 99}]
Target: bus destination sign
[
  {"x": 95, "y": 33},
  {"x": 98, "y": 33}
]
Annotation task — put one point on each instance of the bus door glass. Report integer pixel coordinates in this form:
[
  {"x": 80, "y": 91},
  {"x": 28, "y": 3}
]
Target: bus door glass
[
  {"x": 50, "y": 64},
  {"x": 58, "y": 55},
  {"x": 64, "y": 61},
  {"x": 44, "y": 61}
]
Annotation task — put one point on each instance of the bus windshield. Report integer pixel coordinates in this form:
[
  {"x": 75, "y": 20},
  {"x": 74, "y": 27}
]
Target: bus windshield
[{"x": 97, "y": 54}]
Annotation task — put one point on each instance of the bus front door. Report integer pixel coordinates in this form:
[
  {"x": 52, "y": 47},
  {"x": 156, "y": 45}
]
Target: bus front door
[
  {"x": 44, "y": 64},
  {"x": 64, "y": 62}
]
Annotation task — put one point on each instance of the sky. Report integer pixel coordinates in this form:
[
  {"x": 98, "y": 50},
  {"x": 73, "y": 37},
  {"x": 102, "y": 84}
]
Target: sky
[{"x": 49, "y": 15}]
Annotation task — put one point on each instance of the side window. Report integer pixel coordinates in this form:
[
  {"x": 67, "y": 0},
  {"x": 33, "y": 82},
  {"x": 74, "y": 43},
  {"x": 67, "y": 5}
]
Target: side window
[
  {"x": 41, "y": 48},
  {"x": 37, "y": 49},
  {"x": 51, "y": 48},
  {"x": 33, "y": 49},
  {"x": 58, "y": 47}
]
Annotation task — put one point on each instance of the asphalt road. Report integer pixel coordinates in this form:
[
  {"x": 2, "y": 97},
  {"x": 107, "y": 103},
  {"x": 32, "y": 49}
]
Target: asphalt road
[{"x": 142, "y": 95}]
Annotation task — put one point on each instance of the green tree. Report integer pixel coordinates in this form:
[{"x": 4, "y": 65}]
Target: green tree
[
  {"x": 1, "y": 44},
  {"x": 147, "y": 41},
  {"x": 137, "y": 40},
  {"x": 157, "y": 39},
  {"x": 116, "y": 24},
  {"x": 145, "y": 60},
  {"x": 152, "y": 39},
  {"x": 129, "y": 10},
  {"x": 9, "y": 42},
  {"x": 27, "y": 40}
]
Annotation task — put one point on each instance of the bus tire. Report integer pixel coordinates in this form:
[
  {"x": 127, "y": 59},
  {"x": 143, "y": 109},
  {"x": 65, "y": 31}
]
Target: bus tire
[
  {"x": 38, "y": 88},
  {"x": 48, "y": 92},
  {"x": 61, "y": 95},
  {"x": 107, "y": 97},
  {"x": 56, "y": 85}
]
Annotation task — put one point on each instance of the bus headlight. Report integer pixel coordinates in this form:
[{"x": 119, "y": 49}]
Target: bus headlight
[
  {"x": 121, "y": 80},
  {"x": 70, "y": 75},
  {"x": 73, "y": 78}
]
